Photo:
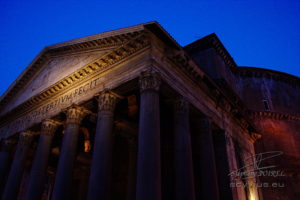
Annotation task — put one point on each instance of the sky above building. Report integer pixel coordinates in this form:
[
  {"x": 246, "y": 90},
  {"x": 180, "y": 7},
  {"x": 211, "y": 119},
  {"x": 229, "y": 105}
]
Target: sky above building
[{"x": 264, "y": 33}]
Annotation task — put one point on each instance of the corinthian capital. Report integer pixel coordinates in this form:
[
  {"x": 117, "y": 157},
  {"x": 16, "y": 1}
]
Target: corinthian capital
[
  {"x": 75, "y": 114},
  {"x": 25, "y": 138},
  {"x": 149, "y": 80},
  {"x": 181, "y": 105},
  {"x": 49, "y": 126},
  {"x": 107, "y": 101}
]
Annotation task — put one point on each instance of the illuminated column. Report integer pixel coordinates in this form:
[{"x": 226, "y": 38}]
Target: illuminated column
[
  {"x": 148, "y": 170},
  {"x": 39, "y": 166},
  {"x": 208, "y": 172},
  {"x": 63, "y": 179},
  {"x": 11, "y": 190},
  {"x": 100, "y": 177},
  {"x": 184, "y": 176},
  {"x": 6, "y": 147}
]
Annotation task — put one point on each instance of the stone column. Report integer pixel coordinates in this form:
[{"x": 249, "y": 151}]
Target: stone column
[
  {"x": 148, "y": 170},
  {"x": 208, "y": 175},
  {"x": 222, "y": 163},
  {"x": 184, "y": 176},
  {"x": 101, "y": 169},
  {"x": 63, "y": 180},
  {"x": 38, "y": 171},
  {"x": 5, "y": 149},
  {"x": 11, "y": 190},
  {"x": 132, "y": 150}
]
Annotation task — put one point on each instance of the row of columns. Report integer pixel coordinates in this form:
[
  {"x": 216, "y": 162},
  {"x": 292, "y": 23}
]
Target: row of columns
[{"x": 148, "y": 182}]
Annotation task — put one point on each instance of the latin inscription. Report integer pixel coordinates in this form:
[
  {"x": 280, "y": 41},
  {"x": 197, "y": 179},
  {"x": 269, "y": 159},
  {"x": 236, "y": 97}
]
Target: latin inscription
[{"x": 48, "y": 109}]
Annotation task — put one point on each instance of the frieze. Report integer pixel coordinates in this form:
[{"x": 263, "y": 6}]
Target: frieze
[{"x": 54, "y": 106}]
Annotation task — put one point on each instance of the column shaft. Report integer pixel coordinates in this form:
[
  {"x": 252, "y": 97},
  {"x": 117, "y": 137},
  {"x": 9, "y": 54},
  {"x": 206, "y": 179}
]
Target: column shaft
[
  {"x": 208, "y": 174},
  {"x": 149, "y": 166},
  {"x": 63, "y": 180},
  {"x": 6, "y": 147},
  {"x": 11, "y": 190},
  {"x": 39, "y": 166},
  {"x": 131, "y": 168},
  {"x": 184, "y": 184},
  {"x": 101, "y": 169}
]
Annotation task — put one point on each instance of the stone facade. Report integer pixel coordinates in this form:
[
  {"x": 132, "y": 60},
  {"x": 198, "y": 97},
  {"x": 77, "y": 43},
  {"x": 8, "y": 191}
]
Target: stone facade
[{"x": 130, "y": 114}]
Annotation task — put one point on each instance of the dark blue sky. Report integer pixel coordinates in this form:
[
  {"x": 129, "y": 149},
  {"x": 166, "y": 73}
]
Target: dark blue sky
[{"x": 261, "y": 33}]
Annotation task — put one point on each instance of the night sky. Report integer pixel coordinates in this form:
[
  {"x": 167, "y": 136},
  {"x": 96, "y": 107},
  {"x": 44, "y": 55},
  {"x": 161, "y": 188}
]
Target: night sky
[{"x": 256, "y": 33}]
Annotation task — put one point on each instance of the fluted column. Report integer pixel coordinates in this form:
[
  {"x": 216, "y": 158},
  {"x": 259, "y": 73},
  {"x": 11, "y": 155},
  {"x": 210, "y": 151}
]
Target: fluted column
[
  {"x": 149, "y": 173},
  {"x": 208, "y": 173},
  {"x": 5, "y": 149},
  {"x": 63, "y": 180},
  {"x": 39, "y": 166},
  {"x": 184, "y": 176},
  {"x": 101, "y": 169},
  {"x": 11, "y": 190}
]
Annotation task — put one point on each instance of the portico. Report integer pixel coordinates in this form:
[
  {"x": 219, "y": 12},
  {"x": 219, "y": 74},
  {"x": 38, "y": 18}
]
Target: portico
[{"x": 101, "y": 131}]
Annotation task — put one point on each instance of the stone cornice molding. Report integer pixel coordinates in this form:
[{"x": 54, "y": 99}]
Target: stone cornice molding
[
  {"x": 268, "y": 74},
  {"x": 273, "y": 115},
  {"x": 101, "y": 43},
  {"x": 102, "y": 64},
  {"x": 221, "y": 50},
  {"x": 46, "y": 53}
]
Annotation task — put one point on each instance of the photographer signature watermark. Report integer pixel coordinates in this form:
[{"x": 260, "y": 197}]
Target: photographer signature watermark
[{"x": 253, "y": 168}]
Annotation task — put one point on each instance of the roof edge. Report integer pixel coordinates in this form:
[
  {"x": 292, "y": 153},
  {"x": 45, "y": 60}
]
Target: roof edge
[
  {"x": 265, "y": 70},
  {"x": 212, "y": 41}
]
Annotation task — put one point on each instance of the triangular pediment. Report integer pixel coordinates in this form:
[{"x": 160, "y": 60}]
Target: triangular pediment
[
  {"x": 58, "y": 61},
  {"x": 52, "y": 72}
]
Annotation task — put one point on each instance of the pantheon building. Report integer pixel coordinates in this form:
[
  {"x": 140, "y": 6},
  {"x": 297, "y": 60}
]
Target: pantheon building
[{"x": 130, "y": 114}]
